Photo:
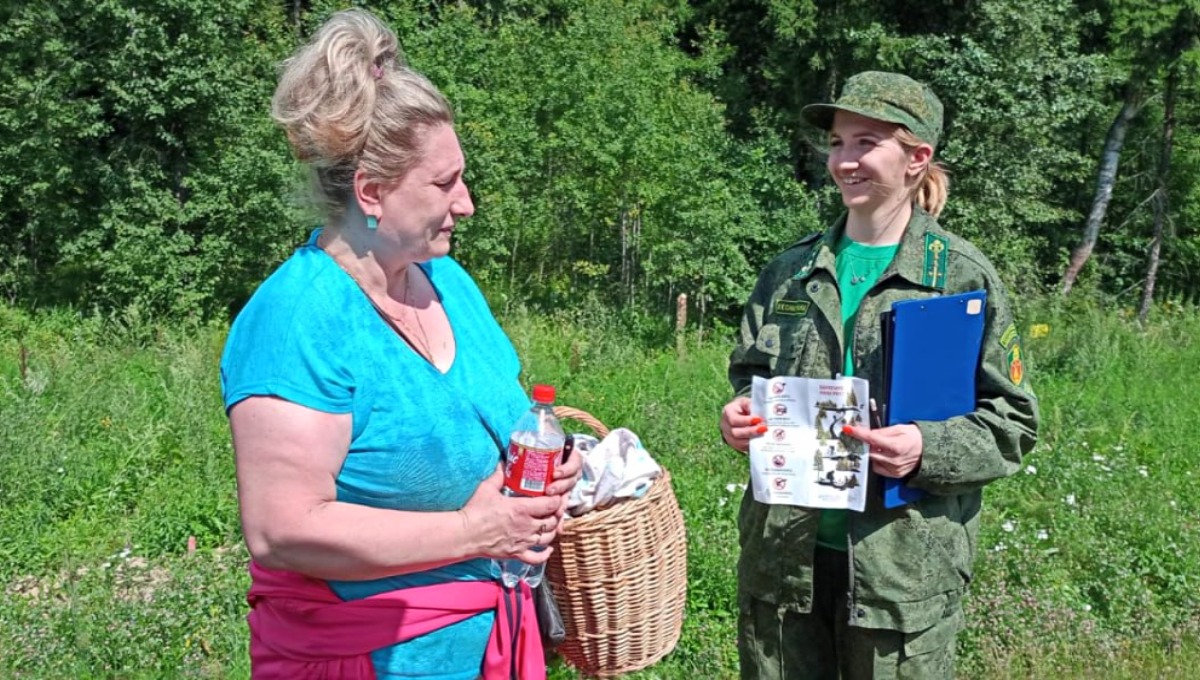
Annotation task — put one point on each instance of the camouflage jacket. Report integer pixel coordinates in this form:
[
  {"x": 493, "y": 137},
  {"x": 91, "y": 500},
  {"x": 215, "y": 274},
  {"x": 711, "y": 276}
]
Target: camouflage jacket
[{"x": 909, "y": 565}]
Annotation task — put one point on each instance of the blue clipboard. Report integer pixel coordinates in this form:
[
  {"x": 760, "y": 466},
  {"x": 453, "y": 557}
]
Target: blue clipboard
[{"x": 931, "y": 356}]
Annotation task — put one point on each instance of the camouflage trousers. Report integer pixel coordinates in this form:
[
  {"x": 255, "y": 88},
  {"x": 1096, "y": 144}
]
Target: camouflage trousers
[{"x": 777, "y": 644}]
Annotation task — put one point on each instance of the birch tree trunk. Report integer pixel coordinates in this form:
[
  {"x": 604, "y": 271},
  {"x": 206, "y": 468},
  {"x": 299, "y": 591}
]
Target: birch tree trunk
[
  {"x": 1105, "y": 179},
  {"x": 1162, "y": 195}
]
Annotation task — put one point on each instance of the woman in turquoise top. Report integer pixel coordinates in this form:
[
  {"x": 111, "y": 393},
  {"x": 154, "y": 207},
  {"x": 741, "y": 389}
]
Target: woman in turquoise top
[{"x": 369, "y": 389}]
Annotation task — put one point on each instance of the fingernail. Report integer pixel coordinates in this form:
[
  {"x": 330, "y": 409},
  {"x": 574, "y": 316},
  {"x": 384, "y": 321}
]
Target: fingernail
[
  {"x": 848, "y": 430},
  {"x": 761, "y": 429},
  {"x": 755, "y": 420}
]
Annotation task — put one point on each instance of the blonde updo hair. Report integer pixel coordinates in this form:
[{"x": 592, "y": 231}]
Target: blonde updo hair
[
  {"x": 348, "y": 101},
  {"x": 933, "y": 186}
]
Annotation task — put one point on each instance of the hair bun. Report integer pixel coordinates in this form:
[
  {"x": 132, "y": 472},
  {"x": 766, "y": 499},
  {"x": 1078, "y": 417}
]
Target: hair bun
[{"x": 326, "y": 95}]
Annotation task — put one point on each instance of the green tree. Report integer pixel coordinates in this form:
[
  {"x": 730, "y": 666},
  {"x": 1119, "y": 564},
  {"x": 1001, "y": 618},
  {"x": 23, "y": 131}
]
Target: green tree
[
  {"x": 137, "y": 163},
  {"x": 1145, "y": 39}
]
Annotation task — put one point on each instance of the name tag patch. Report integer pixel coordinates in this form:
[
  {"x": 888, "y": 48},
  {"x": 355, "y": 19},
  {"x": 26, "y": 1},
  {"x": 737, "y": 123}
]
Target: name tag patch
[{"x": 792, "y": 307}]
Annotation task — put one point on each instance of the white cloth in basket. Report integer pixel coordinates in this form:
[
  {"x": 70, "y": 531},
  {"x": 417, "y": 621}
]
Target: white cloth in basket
[{"x": 618, "y": 467}]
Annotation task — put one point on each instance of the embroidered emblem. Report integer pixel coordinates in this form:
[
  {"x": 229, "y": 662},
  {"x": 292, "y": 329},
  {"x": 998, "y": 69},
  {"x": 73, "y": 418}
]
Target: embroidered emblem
[
  {"x": 1016, "y": 367},
  {"x": 792, "y": 307},
  {"x": 804, "y": 270},
  {"x": 933, "y": 274},
  {"x": 1009, "y": 336}
]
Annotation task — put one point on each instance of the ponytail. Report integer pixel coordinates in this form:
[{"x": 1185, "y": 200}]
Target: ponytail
[{"x": 933, "y": 187}]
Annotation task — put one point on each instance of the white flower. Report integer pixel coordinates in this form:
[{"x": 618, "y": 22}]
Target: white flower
[
  {"x": 731, "y": 487},
  {"x": 1098, "y": 458},
  {"x": 1043, "y": 535},
  {"x": 1087, "y": 607},
  {"x": 1008, "y": 526},
  {"x": 1143, "y": 471},
  {"x": 999, "y": 546},
  {"x": 722, "y": 501},
  {"x": 1030, "y": 470},
  {"x": 1106, "y": 468},
  {"x": 1070, "y": 499},
  {"x": 1118, "y": 448},
  {"x": 60, "y": 471}
]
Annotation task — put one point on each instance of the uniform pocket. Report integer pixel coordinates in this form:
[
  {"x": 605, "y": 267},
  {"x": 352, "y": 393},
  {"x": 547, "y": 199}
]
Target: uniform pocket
[
  {"x": 792, "y": 348},
  {"x": 767, "y": 343},
  {"x": 938, "y": 638}
]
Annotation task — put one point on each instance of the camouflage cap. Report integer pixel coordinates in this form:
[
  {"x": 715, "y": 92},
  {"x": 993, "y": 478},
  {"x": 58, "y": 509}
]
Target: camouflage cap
[{"x": 889, "y": 97}]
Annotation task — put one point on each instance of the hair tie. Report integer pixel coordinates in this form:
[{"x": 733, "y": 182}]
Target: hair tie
[{"x": 377, "y": 71}]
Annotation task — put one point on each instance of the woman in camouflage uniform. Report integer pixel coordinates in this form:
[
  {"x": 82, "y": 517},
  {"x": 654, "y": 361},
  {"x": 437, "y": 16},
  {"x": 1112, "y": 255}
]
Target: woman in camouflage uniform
[{"x": 875, "y": 594}]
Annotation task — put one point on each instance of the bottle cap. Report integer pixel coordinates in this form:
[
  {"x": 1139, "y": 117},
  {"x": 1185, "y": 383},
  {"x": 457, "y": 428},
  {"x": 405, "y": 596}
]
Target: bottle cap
[{"x": 543, "y": 394}]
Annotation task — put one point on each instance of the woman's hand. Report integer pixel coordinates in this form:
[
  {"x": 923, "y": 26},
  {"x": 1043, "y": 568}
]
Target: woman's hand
[
  {"x": 738, "y": 427},
  {"x": 504, "y": 527},
  {"x": 895, "y": 450}
]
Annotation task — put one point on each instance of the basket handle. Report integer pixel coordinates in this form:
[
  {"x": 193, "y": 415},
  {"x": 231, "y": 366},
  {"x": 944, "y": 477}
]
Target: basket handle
[{"x": 582, "y": 416}]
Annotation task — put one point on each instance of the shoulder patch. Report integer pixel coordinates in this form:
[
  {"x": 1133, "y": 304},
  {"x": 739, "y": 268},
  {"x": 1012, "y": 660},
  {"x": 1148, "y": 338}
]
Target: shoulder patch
[
  {"x": 1016, "y": 365},
  {"x": 933, "y": 272},
  {"x": 1009, "y": 336}
]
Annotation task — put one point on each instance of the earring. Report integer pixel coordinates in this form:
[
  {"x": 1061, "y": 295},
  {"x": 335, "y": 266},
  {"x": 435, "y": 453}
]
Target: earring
[{"x": 372, "y": 223}]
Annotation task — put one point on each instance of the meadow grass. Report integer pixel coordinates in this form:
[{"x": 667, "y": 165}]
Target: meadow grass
[{"x": 114, "y": 451}]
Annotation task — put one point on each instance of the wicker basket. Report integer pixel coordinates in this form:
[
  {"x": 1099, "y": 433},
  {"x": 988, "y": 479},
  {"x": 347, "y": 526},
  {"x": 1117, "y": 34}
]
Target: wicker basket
[{"x": 620, "y": 577}]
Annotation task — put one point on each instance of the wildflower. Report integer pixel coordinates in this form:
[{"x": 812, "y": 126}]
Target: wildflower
[
  {"x": 722, "y": 501},
  {"x": 1143, "y": 471},
  {"x": 1008, "y": 526},
  {"x": 999, "y": 547},
  {"x": 1087, "y": 607},
  {"x": 1039, "y": 330},
  {"x": 1030, "y": 470},
  {"x": 1070, "y": 499},
  {"x": 1118, "y": 448},
  {"x": 1098, "y": 458},
  {"x": 1043, "y": 535}
]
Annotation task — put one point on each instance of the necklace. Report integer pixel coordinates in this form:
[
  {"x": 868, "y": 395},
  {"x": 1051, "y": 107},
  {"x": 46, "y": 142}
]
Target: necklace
[
  {"x": 405, "y": 329},
  {"x": 855, "y": 277},
  {"x": 417, "y": 339}
]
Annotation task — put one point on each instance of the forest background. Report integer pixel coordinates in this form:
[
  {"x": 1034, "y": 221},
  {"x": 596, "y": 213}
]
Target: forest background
[{"x": 620, "y": 152}]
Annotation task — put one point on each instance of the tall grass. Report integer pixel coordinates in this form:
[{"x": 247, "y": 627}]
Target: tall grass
[{"x": 114, "y": 451}]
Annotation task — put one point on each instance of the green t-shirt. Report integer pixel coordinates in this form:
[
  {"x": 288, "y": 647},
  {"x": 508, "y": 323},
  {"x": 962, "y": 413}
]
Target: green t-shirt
[{"x": 859, "y": 266}]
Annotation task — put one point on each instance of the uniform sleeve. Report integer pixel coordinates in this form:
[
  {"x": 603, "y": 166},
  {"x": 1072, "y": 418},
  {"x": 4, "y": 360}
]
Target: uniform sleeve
[
  {"x": 752, "y": 356},
  {"x": 966, "y": 452}
]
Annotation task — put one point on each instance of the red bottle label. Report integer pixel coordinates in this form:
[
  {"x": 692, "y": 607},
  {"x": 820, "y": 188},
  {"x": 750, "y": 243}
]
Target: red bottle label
[{"x": 528, "y": 471}]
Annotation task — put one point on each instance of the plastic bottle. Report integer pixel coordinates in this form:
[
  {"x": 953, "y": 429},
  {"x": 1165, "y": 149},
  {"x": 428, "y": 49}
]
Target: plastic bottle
[{"x": 534, "y": 450}]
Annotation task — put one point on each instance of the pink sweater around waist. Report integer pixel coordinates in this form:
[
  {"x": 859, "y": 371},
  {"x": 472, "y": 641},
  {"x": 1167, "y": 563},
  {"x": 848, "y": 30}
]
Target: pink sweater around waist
[{"x": 299, "y": 628}]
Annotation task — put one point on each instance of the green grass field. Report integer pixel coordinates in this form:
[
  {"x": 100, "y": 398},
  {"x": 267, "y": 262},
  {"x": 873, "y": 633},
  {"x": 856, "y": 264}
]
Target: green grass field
[{"x": 114, "y": 451}]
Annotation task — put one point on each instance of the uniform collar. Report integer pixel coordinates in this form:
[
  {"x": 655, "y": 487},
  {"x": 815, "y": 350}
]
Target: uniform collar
[
  {"x": 922, "y": 256},
  {"x": 920, "y": 259}
]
